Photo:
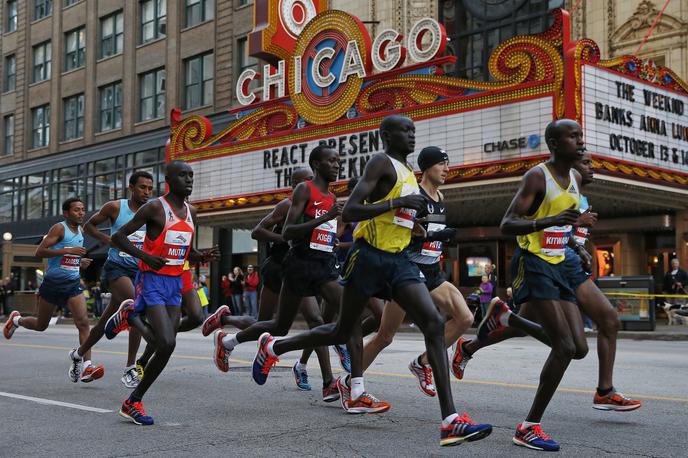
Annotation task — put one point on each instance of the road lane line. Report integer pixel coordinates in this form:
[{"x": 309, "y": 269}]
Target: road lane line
[
  {"x": 383, "y": 374},
  {"x": 54, "y": 403}
]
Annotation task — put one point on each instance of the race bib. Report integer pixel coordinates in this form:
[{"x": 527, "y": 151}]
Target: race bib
[
  {"x": 433, "y": 249},
  {"x": 405, "y": 216},
  {"x": 323, "y": 236},
  {"x": 581, "y": 235},
  {"x": 136, "y": 239},
  {"x": 70, "y": 262},
  {"x": 554, "y": 240},
  {"x": 176, "y": 246}
]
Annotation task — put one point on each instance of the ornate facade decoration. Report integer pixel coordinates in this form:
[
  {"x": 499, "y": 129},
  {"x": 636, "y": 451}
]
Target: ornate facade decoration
[{"x": 635, "y": 28}]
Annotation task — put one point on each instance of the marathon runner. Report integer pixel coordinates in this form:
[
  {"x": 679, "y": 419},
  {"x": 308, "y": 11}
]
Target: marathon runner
[
  {"x": 591, "y": 301},
  {"x": 425, "y": 252},
  {"x": 385, "y": 201},
  {"x": 170, "y": 227},
  {"x": 309, "y": 267},
  {"x": 120, "y": 269},
  {"x": 61, "y": 287}
]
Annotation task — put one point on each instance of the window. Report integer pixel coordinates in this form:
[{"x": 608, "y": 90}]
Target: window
[
  {"x": 152, "y": 95},
  {"x": 244, "y": 60},
  {"x": 73, "y": 117},
  {"x": 112, "y": 34},
  {"x": 42, "y": 8},
  {"x": 244, "y": 2},
  {"x": 153, "y": 19},
  {"x": 198, "y": 11},
  {"x": 10, "y": 80},
  {"x": 42, "y": 57},
  {"x": 75, "y": 48},
  {"x": 111, "y": 106},
  {"x": 476, "y": 27},
  {"x": 11, "y": 12},
  {"x": 70, "y": 2},
  {"x": 198, "y": 81},
  {"x": 8, "y": 135},
  {"x": 40, "y": 126}
]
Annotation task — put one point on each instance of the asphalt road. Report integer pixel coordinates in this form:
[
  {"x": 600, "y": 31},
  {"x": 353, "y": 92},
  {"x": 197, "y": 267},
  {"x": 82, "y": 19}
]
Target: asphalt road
[{"x": 200, "y": 411}]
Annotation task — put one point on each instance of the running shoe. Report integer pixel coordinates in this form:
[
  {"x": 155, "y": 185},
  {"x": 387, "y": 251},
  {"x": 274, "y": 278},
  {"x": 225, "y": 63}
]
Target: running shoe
[
  {"x": 139, "y": 368},
  {"x": 424, "y": 376},
  {"x": 301, "y": 377},
  {"x": 134, "y": 412},
  {"x": 344, "y": 357},
  {"x": 214, "y": 321},
  {"x": 460, "y": 359},
  {"x": 75, "y": 367},
  {"x": 615, "y": 401},
  {"x": 463, "y": 429},
  {"x": 263, "y": 362},
  {"x": 221, "y": 354},
  {"x": 131, "y": 379},
  {"x": 118, "y": 321},
  {"x": 331, "y": 392},
  {"x": 91, "y": 373},
  {"x": 344, "y": 388},
  {"x": 10, "y": 327},
  {"x": 491, "y": 323},
  {"x": 366, "y": 403},
  {"x": 534, "y": 438}
]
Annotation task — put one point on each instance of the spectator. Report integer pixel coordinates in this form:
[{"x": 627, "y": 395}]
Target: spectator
[
  {"x": 250, "y": 291},
  {"x": 485, "y": 294},
  {"x": 9, "y": 293},
  {"x": 492, "y": 277},
  {"x": 202, "y": 292},
  {"x": 226, "y": 287},
  {"x": 676, "y": 279},
  {"x": 96, "y": 294},
  {"x": 4, "y": 310},
  {"x": 236, "y": 279},
  {"x": 510, "y": 299}
]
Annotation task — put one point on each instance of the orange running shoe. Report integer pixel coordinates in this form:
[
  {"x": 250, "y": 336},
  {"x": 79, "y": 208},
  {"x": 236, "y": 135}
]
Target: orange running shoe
[
  {"x": 10, "y": 327},
  {"x": 214, "y": 321},
  {"x": 615, "y": 401},
  {"x": 220, "y": 355},
  {"x": 92, "y": 373},
  {"x": 460, "y": 359},
  {"x": 366, "y": 403}
]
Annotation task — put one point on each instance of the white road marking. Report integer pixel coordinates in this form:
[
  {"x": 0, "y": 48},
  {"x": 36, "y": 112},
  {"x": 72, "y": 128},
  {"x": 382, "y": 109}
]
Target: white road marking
[{"x": 54, "y": 403}]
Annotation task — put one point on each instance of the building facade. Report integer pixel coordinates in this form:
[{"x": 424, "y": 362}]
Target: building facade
[{"x": 88, "y": 87}]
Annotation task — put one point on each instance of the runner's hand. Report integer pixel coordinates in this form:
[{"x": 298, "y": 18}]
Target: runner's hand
[
  {"x": 156, "y": 262},
  {"x": 85, "y": 262},
  {"x": 418, "y": 230},
  {"x": 414, "y": 201},
  {"x": 75, "y": 250},
  {"x": 211, "y": 254},
  {"x": 567, "y": 217},
  {"x": 335, "y": 211},
  {"x": 586, "y": 219},
  {"x": 586, "y": 259}
]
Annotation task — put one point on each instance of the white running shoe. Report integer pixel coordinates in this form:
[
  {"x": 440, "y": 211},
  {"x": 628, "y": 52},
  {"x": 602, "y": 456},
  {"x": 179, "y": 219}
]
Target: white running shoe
[
  {"x": 74, "y": 372},
  {"x": 130, "y": 378}
]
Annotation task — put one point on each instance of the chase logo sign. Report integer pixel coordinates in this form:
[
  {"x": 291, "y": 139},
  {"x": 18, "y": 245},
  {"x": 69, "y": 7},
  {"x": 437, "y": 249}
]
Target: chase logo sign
[{"x": 532, "y": 141}]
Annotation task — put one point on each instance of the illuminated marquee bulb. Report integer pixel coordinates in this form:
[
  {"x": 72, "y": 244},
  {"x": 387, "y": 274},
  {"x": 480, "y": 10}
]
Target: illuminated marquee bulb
[
  {"x": 295, "y": 14},
  {"x": 387, "y": 54},
  {"x": 437, "y": 40}
]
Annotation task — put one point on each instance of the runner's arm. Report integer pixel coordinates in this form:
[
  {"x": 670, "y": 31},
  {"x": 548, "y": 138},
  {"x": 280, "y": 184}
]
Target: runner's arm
[
  {"x": 55, "y": 235},
  {"x": 106, "y": 213},
  {"x": 263, "y": 230},
  {"x": 144, "y": 215},
  {"x": 292, "y": 229}
]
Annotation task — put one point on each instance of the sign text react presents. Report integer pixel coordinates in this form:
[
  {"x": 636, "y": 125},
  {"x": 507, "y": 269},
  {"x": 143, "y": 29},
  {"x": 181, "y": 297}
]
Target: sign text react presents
[{"x": 331, "y": 57}]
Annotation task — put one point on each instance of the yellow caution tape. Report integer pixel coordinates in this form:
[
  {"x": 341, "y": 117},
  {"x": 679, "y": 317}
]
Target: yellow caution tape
[{"x": 644, "y": 295}]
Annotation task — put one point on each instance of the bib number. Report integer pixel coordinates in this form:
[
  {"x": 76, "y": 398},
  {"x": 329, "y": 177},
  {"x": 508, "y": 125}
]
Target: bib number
[
  {"x": 323, "y": 236},
  {"x": 176, "y": 247},
  {"x": 136, "y": 239},
  {"x": 70, "y": 262},
  {"x": 581, "y": 235},
  {"x": 405, "y": 217},
  {"x": 554, "y": 240},
  {"x": 433, "y": 249}
]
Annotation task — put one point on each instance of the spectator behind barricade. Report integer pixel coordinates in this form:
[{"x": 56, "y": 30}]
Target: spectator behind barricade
[
  {"x": 250, "y": 291},
  {"x": 202, "y": 292},
  {"x": 236, "y": 278},
  {"x": 492, "y": 277},
  {"x": 226, "y": 287},
  {"x": 486, "y": 289},
  {"x": 676, "y": 280},
  {"x": 96, "y": 294}
]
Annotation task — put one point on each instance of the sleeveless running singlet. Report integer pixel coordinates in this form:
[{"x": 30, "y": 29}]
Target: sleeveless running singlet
[
  {"x": 549, "y": 244},
  {"x": 120, "y": 257},
  {"x": 173, "y": 243},
  {"x": 425, "y": 251},
  {"x": 321, "y": 239},
  {"x": 66, "y": 267},
  {"x": 391, "y": 231}
]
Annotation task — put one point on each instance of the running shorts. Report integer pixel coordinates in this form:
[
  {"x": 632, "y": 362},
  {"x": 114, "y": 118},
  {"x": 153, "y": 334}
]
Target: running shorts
[
  {"x": 535, "y": 278},
  {"x": 58, "y": 292},
  {"x": 271, "y": 274},
  {"x": 155, "y": 289},
  {"x": 377, "y": 273},
  {"x": 112, "y": 271},
  {"x": 573, "y": 269},
  {"x": 432, "y": 274},
  {"x": 305, "y": 276}
]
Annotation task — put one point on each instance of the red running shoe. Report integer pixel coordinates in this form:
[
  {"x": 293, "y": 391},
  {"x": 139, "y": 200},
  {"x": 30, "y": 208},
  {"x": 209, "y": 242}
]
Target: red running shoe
[{"x": 214, "y": 321}]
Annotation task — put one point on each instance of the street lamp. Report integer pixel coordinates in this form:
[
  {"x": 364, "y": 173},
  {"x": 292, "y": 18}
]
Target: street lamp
[{"x": 7, "y": 236}]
